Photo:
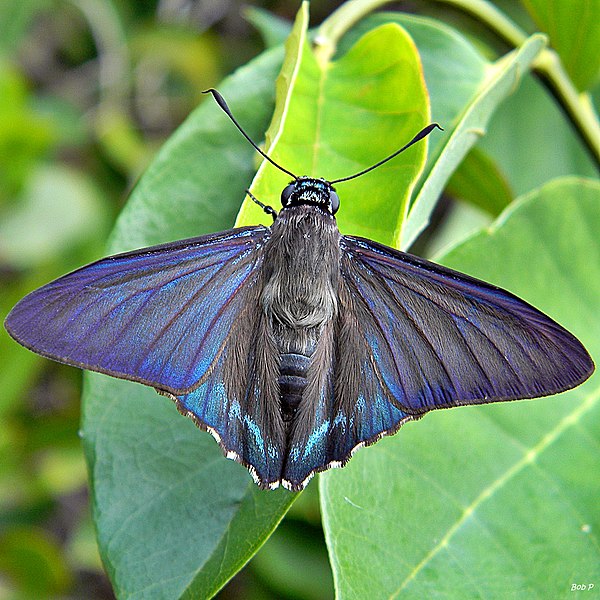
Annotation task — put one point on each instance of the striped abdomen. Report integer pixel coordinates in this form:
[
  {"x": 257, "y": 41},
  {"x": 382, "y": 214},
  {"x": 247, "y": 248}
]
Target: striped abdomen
[
  {"x": 293, "y": 370},
  {"x": 299, "y": 297}
]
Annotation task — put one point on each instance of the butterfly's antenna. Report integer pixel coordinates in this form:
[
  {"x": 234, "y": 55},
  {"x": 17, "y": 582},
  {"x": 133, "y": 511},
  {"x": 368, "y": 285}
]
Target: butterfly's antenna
[
  {"x": 422, "y": 134},
  {"x": 221, "y": 102}
]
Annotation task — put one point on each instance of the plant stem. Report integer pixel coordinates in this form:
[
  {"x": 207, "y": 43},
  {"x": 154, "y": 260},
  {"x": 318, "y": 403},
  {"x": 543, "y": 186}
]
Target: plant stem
[
  {"x": 577, "y": 106},
  {"x": 489, "y": 15},
  {"x": 547, "y": 65},
  {"x": 340, "y": 21}
]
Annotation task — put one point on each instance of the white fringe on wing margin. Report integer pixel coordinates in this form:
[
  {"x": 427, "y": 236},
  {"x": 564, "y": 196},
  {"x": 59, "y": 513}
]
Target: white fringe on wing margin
[{"x": 288, "y": 485}]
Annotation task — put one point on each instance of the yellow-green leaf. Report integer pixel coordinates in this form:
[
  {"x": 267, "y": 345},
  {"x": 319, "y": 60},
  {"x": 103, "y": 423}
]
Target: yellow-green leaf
[{"x": 336, "y": 118}]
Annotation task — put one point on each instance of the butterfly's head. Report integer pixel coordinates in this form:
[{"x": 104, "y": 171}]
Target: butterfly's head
[{"x": 314, "y": 192}]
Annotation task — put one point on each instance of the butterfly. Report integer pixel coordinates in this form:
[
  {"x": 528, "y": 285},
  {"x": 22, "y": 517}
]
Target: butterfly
[{"x": 294, "y": 345}]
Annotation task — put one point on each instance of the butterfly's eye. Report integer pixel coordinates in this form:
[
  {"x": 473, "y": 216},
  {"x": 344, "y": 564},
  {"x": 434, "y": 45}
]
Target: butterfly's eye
[
  {"x": 334, "y": 202},
  {"x": 286, "y": 193}
]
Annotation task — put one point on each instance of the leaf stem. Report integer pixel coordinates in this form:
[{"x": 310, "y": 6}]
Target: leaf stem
[
  {"x": 339, "y": 22},
  {"x": 346, "y": 16},
  {"x": 547, "y": 65},
  {"x": 489, "y": 15}
]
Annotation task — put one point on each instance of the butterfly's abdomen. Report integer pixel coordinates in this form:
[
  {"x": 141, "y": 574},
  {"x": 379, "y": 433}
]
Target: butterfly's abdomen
[
  {"x": 299, "y": 296},
  {"x": 293, "y": 370}
]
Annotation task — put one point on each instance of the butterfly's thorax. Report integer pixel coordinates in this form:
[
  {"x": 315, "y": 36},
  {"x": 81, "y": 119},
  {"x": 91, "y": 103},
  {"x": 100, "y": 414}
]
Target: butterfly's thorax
[{"x": 299, "y": 297}]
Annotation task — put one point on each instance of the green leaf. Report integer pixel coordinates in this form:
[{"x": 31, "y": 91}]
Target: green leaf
[
  {"x": 479, "y": 182},
  {"x": 465, "y": 91},
  {"x": 174, "y": 518},
  {"x": 532, "y": 143},
  {"x": 378, "y": 84},
  {"x": 454, "y": 70},
  {"x": 196, "y": 182},
  {"x": 574, "y": 34},
  {"x": 273, "y": 29},
  {"x": 492, "y": 501},
  {"x": 501, "y": 80}
]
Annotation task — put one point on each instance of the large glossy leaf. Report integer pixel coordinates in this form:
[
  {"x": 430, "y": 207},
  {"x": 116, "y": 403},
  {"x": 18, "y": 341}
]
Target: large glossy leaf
[
  {"x": 495, "y": 501},
  {"x": 147, "y": 463},
  {"x": 173, "y": 516},
  {"x": 574, "y": 33}
]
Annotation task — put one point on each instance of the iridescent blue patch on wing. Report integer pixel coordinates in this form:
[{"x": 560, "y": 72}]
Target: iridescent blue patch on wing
[{"x": 238, "y": 432}]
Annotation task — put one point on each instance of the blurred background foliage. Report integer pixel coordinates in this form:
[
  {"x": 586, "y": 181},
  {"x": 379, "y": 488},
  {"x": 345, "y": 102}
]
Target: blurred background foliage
[{"x": 89, "y": 90}]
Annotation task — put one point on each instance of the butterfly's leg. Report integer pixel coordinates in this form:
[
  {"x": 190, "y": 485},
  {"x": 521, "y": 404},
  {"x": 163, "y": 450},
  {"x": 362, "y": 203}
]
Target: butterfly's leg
[{"x": 268, "y": 209}]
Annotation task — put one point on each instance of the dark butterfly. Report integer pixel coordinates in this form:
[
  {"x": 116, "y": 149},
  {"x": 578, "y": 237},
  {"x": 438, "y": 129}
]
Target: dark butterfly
[{"x": 294, "y": 345}]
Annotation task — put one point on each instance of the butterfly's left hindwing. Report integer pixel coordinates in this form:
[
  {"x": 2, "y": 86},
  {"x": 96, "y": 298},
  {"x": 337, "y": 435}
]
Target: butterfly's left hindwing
[
  {"x": 239, "y": 402},
  {"x": 183, "y": 318}
]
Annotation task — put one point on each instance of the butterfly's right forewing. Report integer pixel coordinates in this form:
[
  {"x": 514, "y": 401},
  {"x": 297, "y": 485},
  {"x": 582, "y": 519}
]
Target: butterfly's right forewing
[{"x": 441, "y": 338}]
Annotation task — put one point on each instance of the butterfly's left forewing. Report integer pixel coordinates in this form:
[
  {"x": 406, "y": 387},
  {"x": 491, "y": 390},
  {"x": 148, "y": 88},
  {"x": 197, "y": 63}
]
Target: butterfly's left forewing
[{"x": 157, "y": 315}]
